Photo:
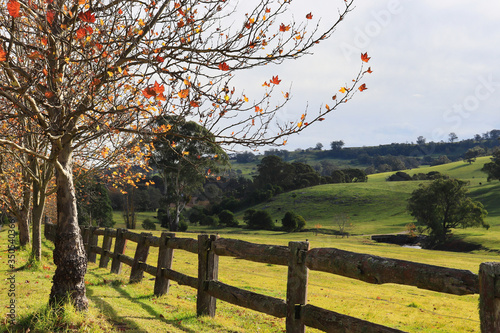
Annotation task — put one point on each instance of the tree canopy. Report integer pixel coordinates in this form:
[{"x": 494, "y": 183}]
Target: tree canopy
[
  {"x": 493, "y": 168},
  {"x": 442, "y": 205}
]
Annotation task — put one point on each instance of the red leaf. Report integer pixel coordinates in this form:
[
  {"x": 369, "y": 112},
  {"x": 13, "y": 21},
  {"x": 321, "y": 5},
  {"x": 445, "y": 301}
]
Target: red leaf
[
  {"x": 309, "y": 16},
  {"x": 321, "y": 119},
  {"x": 284, "y": 27},
  {"x": 369, "y": 70},
  {"x": 223, "y": 66},
  {"x": 88, "y": 17},
  {"x": 50, "y": 16},
  {"x": 3, "y": 54},
  {"x": 80, "y": 33},
  {"x": 362, "y": 87},
  {"x": 13, "y": 6},
  {"x": 275, "y": 80},
  {"x": 194, "y": 104},
  {"x": 365, "y": 57}
]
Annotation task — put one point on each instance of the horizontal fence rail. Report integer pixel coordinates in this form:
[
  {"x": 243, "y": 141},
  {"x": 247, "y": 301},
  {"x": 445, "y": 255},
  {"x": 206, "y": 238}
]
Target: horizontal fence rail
[{"x": 299, "y": 259}]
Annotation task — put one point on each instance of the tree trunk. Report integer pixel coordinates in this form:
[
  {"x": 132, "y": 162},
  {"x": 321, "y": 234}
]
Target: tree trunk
[
  {"x": 69, "y": 252},
  {"x": 23, "y": 221},
  {"x": 39, "y": 197}
]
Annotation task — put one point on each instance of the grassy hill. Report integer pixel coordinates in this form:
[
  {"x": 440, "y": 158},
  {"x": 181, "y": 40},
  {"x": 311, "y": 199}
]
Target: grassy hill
[{"x": 379, "y": 206}]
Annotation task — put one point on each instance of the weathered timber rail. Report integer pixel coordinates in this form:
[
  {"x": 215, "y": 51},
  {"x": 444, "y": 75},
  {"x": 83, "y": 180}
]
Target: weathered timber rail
[{"x": 299, "y": 259}]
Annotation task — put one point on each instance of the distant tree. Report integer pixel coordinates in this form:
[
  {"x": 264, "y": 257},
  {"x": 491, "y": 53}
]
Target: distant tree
[
  {"x": 354, "y": 175},
  {"x": 452, "y": 137},
  {"x": 493, "y": 168},
  {"x": 336, "y": 145},
  {"x": 473, "y": 153},
  {"x": 305, "y": 175},
  {"x": 421, "y": 140},
  {"x": 477, "y": 137},
  {"x": 399, "y": 176},
  {"x": 147, "y": 224},
  {"x": 183, "y": 162},
  {"x": 273, "y": 170},
  {"x": 343, "y": 223},
  {"x": 227, "y": 218},
  {"x": 94, "y": 206},
  {"x": 443, "y": 159},
  {"x": 245, "y": 157},
  {"x": 258, "y": 219},
  {"x": 338, "y": 176},
  {"x": 293, "y": 222},
  {"x": 443, "y": 205},
  {"x": 319, "y": 146}
]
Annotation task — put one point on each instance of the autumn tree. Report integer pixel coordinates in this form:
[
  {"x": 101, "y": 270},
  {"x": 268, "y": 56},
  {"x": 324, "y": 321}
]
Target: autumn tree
[{"x": 93, "y": 74}]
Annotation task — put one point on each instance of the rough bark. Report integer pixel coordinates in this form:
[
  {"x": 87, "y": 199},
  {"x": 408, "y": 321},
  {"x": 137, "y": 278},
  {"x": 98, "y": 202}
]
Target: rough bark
[{"x": 69, "y": 252}]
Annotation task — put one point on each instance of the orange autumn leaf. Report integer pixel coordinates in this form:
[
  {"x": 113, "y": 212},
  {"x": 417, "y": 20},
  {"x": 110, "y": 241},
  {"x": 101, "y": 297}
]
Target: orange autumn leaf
[
  {"x": 343, "y": 90},
  {"x": 81, "y": 33},
  {"x": 88, "y": 17},
  {"x": 369, "y": 70},
  {"x": 284, "y": 27},
  {"x": 3, "y": 54},
  {"x": 365, "y": 57},
  {"x": 362, "y": 87},
  {"x": 194, "y": 104},
  {"x": 120, "y": 11},
  {"x": 154, "y": 91},
  {"x": 321, "y": 119},
  {"x": 309, "y": 16},
  {"x": 223, "y": 66},
  {"x": 50, "y": 16},
  {"x": 265, "y": 84},
  {"x": 334, "y": 97},
  {"x": 183, "y": 93},
  {"x": 13, "y": 7},
  {"x": 49, "y": 94},
  {"x": 327, "y": 107},
  {"x": 275, "y": 80},
  {"x": 268, "y": 10}
]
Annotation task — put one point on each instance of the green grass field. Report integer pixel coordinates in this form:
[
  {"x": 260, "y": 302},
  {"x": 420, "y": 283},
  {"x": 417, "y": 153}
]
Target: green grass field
[{"x": 374, "y": 207}]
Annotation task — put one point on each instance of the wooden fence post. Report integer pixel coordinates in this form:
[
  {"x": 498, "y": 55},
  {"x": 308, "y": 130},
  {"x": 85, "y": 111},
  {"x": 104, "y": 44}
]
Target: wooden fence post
[
  {"x": 296, "y": 289},
  {"x": 165, "y": 257},
  {"x": 92, "y": 241},
  {"x": 120, "y": 241},
  {"x": 85, "y": 237},
  {"x": 208, "y": 270},
  {"x": 489, "y": 297},
  {"x": 141, "y": 255},
  {"x": 106, "y": 248}
]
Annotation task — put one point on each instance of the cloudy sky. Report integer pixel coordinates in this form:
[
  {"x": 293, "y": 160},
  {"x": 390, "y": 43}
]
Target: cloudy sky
[{"x": 436, "y": 70}]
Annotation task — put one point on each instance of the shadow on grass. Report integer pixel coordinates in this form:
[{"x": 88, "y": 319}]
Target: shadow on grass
[{"x": 111, "y": 311}]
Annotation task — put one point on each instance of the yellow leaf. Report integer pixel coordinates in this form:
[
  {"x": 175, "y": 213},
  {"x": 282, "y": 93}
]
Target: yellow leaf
[
  {"x": 299, "y": 125},
  {"x": 226, "y": 97},
  {"x": 343, "y": 90},
  {"x": 245, "y": 98}
]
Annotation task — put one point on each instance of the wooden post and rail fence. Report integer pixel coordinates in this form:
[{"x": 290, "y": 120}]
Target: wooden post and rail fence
[{"x": 299, "y": 259}]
